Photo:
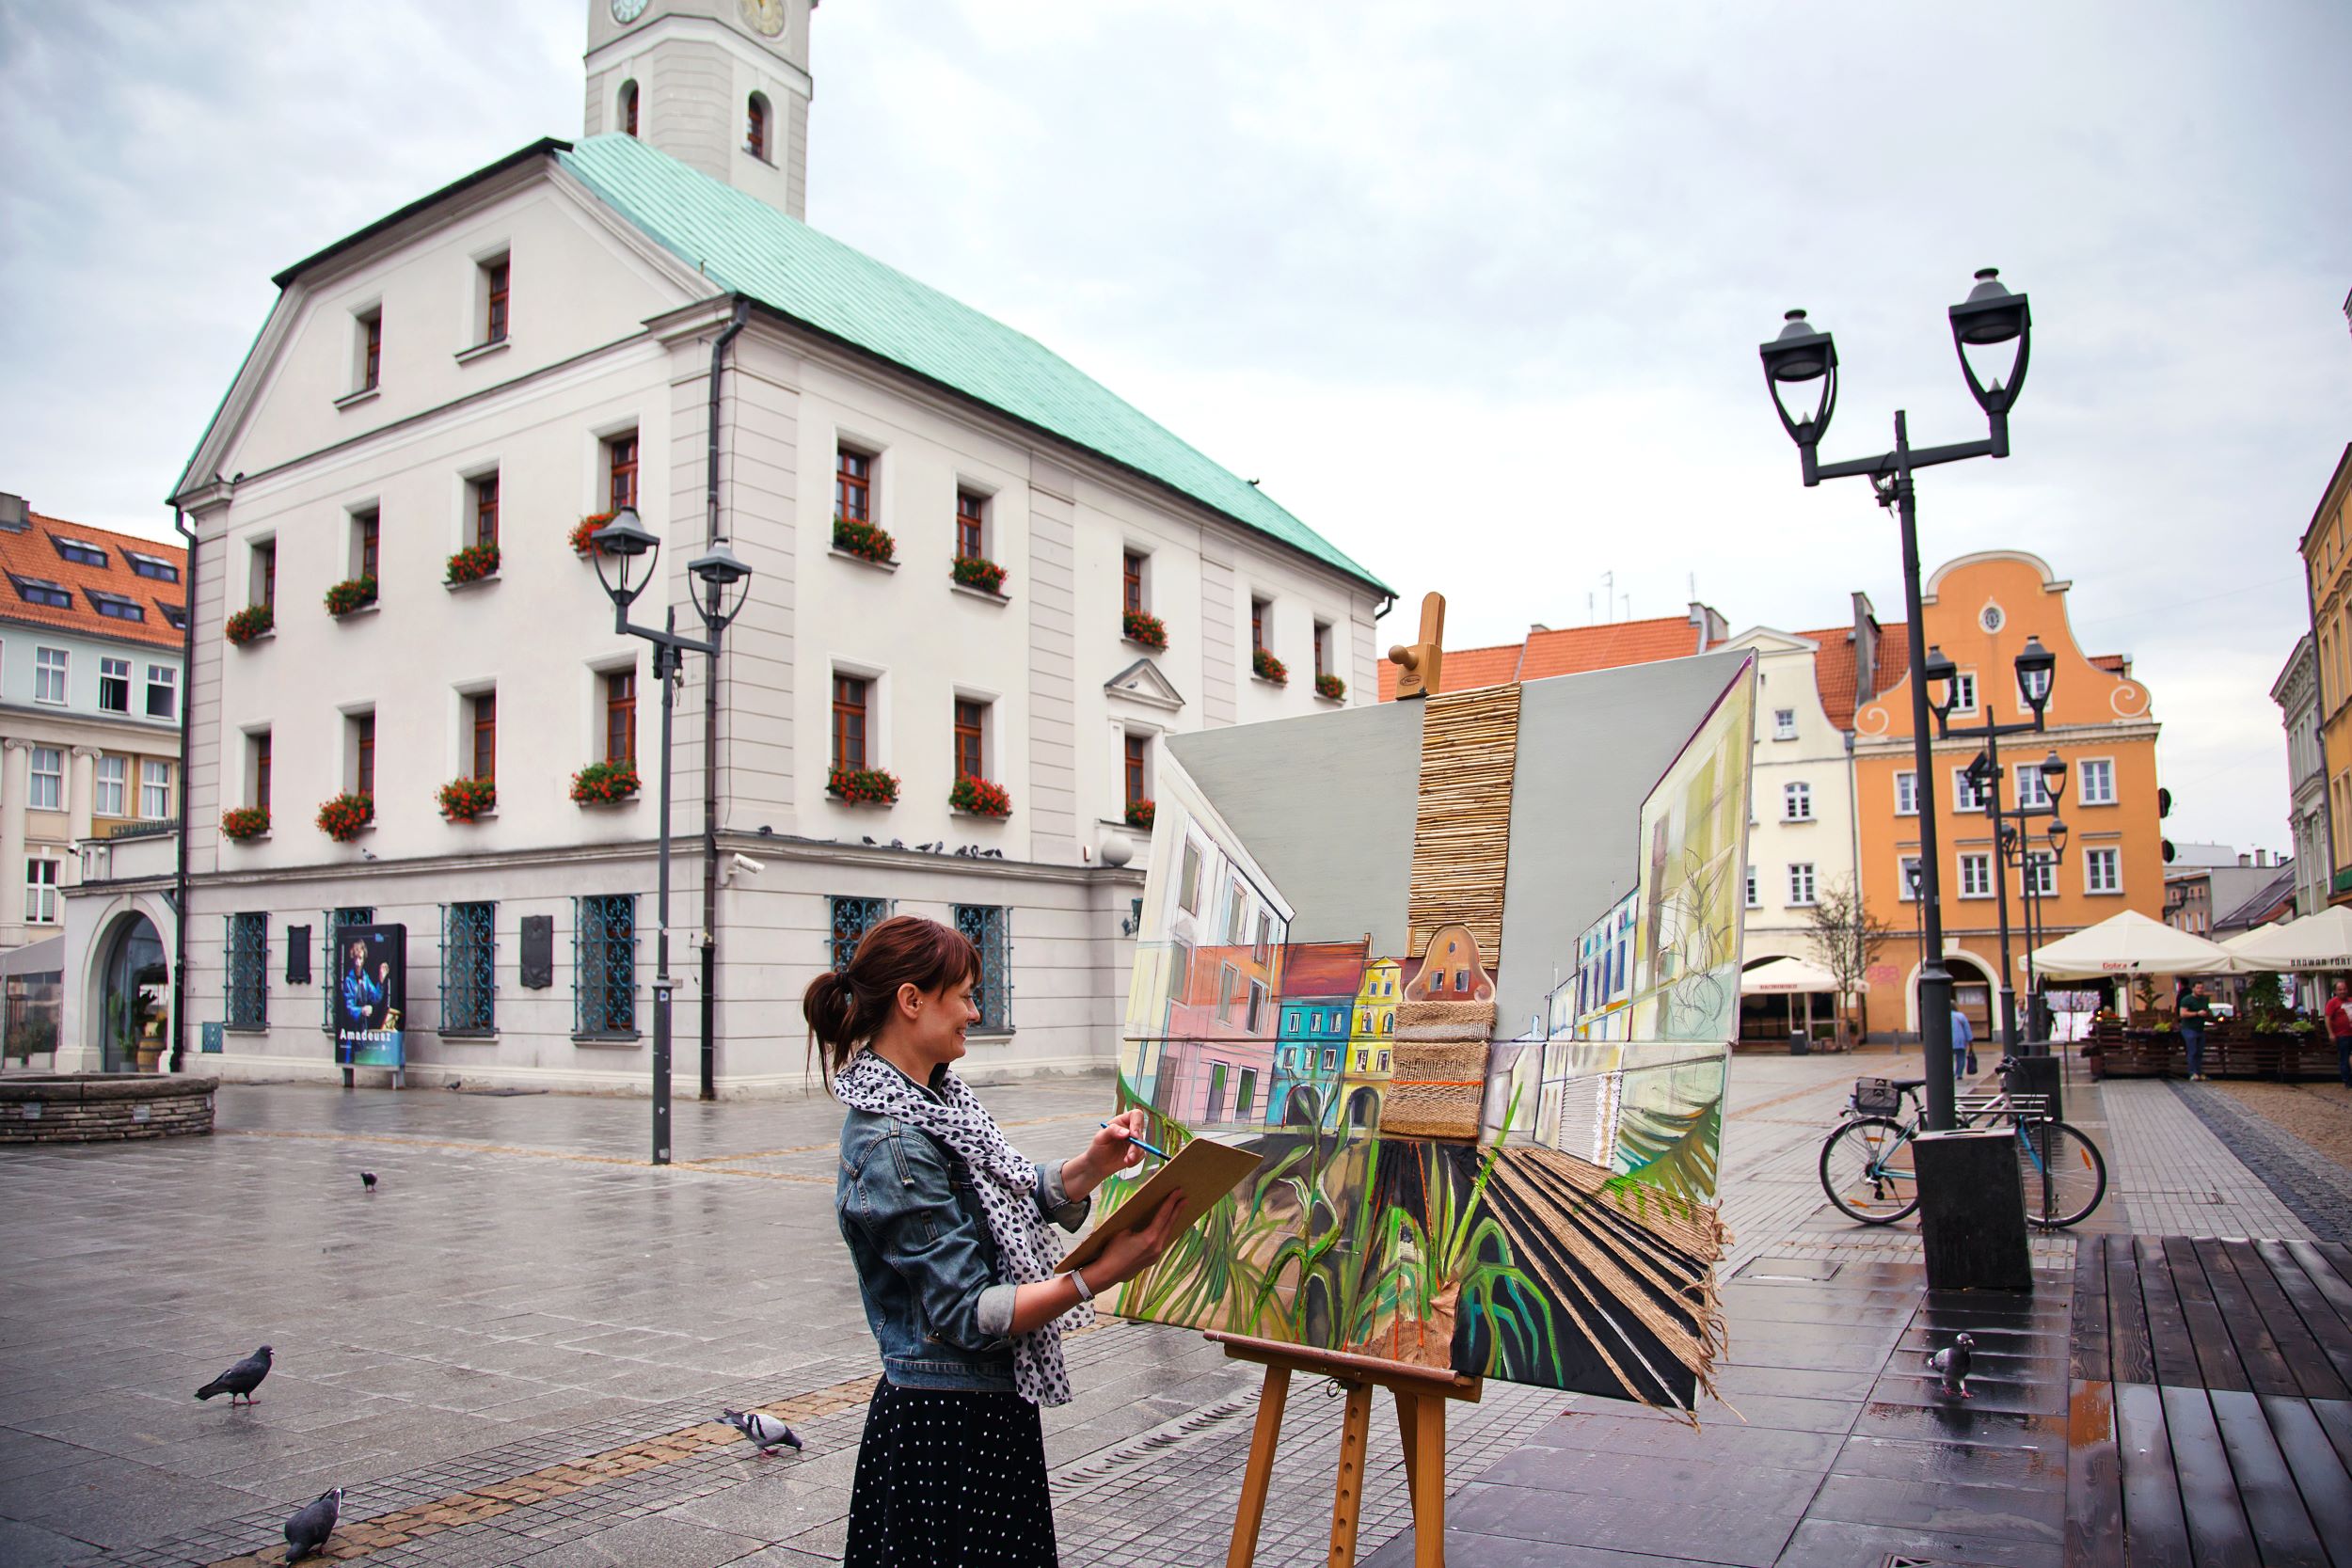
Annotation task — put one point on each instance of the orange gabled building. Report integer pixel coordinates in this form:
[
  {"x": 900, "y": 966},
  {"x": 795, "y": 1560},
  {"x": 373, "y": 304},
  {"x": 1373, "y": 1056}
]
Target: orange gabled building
[{"x": 1980, "y": 610}]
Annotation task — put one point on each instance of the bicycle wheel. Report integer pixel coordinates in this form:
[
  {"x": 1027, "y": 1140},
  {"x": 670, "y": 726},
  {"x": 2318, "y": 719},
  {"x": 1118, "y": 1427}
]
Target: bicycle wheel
[
  {"x": 1867, "y": 1171},
  {"x": 2063, "y": 1173}
]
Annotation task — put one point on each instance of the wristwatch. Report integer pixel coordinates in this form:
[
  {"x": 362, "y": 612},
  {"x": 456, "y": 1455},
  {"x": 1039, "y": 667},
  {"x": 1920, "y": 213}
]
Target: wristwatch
[{"x": 1085, "y": 1291}]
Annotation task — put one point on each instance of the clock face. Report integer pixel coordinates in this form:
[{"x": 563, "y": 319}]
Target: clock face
[
  {"x": 626, "y": 11},
  {"x": 766, "y": 15}
]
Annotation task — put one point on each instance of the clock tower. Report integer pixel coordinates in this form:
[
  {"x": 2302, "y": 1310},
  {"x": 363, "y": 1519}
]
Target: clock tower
[{"x": 721, "y": 85}]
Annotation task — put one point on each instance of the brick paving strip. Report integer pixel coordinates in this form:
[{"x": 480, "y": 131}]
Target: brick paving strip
[{"x": 2316, "y": 1188}]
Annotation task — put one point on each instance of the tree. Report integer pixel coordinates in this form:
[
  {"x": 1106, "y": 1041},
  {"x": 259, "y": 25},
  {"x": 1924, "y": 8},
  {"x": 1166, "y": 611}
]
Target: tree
[{"x": 1845, "y": 937}]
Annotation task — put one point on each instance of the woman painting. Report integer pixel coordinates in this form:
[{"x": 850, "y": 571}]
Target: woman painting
[{"x": 949, "y": 1228}]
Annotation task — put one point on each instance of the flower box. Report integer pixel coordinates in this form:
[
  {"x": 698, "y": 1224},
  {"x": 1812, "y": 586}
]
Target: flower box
[
  {"x": 244, "y": 823},
  {"x": 1141, "y": 625},
  {"x": 979, "y": 572},
  {"x": 865, "y": 541},
  {"x": 351, "y": 594},
  {"x": 254, "y": 620},
  {"x": 586, "y": 527},
  {"x": 466, "y": 799},
  {"x": 474, "y": 563},
  {"x": 1328, "y": 685},
  {"x": 1140, "y": 814},
  {"x": 863, "y": 787},
  {"x": 1268, "y": 668},
  {"x": 980, "y": 797},
  {"x": 605, "y": 783},
  {"x": 346, "y": 816}
]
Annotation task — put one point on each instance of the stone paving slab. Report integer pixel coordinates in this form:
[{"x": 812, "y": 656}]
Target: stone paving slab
[
  {"x": 2177, "y": 1178},
  {"x": 2315, "y": 1188}
]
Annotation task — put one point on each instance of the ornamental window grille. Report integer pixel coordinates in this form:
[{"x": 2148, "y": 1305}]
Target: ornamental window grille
[
  {"x": 248, "y": 971},
  {"x": 604, "y": 965},
  {"x": 851, "y": 919},
  {"x": 983, "y": 927},
  {"x": 468, "y": 969},
  {"x": 330, "y": 922}
]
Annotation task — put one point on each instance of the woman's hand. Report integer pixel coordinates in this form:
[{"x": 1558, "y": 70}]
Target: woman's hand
[
  {"x": 1112, "y": 1151},
  {"x": 1131, "y": 1252}
]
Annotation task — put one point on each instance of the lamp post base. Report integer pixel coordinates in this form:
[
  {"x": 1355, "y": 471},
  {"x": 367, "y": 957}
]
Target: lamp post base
[{"x": 1972, "y": 1210}]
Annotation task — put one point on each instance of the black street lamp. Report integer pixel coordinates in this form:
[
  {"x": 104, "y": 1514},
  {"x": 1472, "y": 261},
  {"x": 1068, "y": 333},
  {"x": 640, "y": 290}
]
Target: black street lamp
[
  {"x": 714, "y": 573},
  {"x": 1802, "y": 356},
  {"x": 1918, "y": 932},
  {"x": 2018, "y": 849},
  {"x": 2036, "y": 672}
]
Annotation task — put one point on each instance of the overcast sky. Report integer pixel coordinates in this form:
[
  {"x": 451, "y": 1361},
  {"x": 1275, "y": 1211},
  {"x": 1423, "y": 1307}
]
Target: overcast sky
[{"x": 1473, "y": 289}]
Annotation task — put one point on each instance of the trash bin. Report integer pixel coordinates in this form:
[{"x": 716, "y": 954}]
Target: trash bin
[
  {"x": 1798, "y": 1044},
  {"x": 2038, "y": 1073}
]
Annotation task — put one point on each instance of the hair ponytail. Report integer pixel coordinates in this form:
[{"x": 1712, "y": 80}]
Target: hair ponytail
[{"x": 845, "y": 1008}]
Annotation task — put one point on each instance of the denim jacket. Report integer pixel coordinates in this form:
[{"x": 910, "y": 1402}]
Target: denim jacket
[{"x": 926, "y": 1265}]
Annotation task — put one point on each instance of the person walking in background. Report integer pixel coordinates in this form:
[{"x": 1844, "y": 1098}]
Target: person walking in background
[
  {"x": 1963, "y": 1045},
  {"x": 2196, "y": 1012},
  {"x": 2339, "y": 1029}
]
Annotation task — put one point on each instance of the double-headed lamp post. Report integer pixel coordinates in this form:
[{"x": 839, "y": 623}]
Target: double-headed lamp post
[
  {"x": 1803, "y": 358},
  {"x": 716, "y": 574},
  {"x": 2017, "y": 849},
  {"x": 2036, "y": 672}
]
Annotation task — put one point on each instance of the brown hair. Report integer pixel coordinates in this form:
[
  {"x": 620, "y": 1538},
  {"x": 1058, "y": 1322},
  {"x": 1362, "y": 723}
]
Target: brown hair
[{"x": 845, "y": 1007}]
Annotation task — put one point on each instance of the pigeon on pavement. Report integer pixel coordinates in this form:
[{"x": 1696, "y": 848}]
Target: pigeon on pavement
[
  {"x": 367, "y": 1180},
  {"x": 312, "y": 1523},
  {"x": 764, "y": 1430},
  {"x": 1953, "y": 1361},
  {"x": 240, "y": 1380}
]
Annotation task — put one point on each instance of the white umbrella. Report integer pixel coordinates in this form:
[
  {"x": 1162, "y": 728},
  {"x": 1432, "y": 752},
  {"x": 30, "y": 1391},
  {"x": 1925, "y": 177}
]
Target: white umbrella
[
  {"x": 2131, "y": 943},
  {"x": 2321, "y": 940},
  {"x": 1786, "y": 975},
  {"x": 2238, "y": 941}
]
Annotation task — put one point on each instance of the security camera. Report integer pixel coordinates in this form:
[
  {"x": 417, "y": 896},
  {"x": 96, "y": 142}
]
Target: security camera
[{"x": 749, "y": 866}]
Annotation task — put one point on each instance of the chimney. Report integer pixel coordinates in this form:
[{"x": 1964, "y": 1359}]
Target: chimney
[
  {"x": 1866, "y": 649},
  {"x": 1711, "y": 627},
  {"x": 13, "y": 513}
]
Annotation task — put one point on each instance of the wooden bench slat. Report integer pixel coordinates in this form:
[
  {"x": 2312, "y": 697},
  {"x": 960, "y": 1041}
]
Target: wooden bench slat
[
  {"x": 2319, "y": 1316},
  {"x": 2217, "y": 1528},
  {"x": 2134, "y": 1359},
  {"x": 2209, "y": 1338},
  {"x": 2087, "y": 1339},
  {"x": 2168, "y": 1331},
  {"x": 2307, "y": 1369},
  {"x": 2152, "y": 1515},
  {"x": 2318, "y": 1469},
  {"x": 2263, "y": 1484}
]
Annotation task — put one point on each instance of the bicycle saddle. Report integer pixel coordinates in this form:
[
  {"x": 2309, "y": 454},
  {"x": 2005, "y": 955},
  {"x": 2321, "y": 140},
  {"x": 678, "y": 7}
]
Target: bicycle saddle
[{"x": 1904, "y": 1084}]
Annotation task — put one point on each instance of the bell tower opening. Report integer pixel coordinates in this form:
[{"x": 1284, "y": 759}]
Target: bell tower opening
[{"x": 721, "y": 85}]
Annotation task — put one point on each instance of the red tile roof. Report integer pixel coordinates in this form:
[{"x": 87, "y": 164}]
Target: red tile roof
[
  {"x": 32, "y": 555},
  {"x": 1835, "y": 668},
  {"x": 1567, "y": 652},
  {"x": 2118, "y": 664}
]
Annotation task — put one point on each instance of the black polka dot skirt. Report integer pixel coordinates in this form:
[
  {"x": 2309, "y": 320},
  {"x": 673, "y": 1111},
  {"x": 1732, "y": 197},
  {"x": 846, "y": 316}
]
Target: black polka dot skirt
[{"x": 950, "y": 1479}]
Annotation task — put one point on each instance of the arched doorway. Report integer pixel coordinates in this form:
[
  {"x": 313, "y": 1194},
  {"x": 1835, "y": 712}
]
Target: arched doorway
[
  {"x": 1363, "y": 1108},
  {"x": 1300, "y": 1109},
  {"x": 135, "y": 998}
]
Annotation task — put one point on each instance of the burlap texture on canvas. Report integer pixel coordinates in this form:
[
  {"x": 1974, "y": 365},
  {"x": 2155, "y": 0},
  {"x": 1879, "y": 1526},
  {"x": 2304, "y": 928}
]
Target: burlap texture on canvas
[
  {"x": 1435, "y": 1090},
  {"x": 1470, "y": 1020}
]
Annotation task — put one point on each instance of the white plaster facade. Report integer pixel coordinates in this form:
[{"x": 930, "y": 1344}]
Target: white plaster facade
[
  {"x": 2296, "y": 692},
  {"x": 1802, "y": 825},
  {"x": 609, "y": 334}
]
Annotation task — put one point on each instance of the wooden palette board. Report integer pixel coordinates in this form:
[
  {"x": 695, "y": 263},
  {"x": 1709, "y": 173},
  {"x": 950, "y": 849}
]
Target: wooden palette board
[{"x": 1204, "y": 1169}]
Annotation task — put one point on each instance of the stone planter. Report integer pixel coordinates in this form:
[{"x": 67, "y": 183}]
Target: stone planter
[{"x": 103, "y": 1107}]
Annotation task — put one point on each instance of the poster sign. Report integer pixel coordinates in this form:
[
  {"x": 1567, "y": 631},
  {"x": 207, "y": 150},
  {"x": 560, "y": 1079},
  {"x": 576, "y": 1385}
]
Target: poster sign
[{"x": 371, "y": 994}]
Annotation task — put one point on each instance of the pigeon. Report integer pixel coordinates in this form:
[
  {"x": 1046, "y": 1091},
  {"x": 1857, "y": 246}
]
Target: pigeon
[
  {"x": 239, "y": 1380},
  {"x": 367, "y": 1180},
  {"x": 312, "y": 1523},
  {"x": 764, "y": 1430},
  {"x": 1953, "y": 1361}
]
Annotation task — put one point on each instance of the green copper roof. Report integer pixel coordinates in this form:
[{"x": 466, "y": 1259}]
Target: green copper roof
[{"x": 746, "y": 247}]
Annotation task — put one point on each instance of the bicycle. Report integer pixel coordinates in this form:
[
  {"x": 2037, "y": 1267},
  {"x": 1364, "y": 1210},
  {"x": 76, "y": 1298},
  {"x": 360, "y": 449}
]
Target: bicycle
[{"x": 1868, "y": 1163}]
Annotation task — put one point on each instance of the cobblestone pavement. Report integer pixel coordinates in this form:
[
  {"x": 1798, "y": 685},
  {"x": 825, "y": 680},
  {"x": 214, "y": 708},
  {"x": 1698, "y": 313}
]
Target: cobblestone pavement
[
  {"x": 2176, "y": 1177},
  {"x": 2316, "y": 1189},
  {"x": 513, "y": 1349}
]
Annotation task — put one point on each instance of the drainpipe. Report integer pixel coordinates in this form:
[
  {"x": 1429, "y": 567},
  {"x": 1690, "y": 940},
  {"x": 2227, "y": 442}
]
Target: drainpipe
[
  {"x": 180, "y": 878},
  {"x": 709, "y": 1089}
]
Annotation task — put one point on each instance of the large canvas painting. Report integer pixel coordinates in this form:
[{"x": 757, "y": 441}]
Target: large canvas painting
[{"x": 1463, "y": 972}]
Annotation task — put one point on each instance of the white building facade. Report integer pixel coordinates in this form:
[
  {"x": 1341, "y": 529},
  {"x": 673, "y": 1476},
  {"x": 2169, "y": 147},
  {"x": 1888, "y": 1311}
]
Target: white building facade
[
  {"x": 2296, "y": 692},
  {"x": 467, "y": 382}
]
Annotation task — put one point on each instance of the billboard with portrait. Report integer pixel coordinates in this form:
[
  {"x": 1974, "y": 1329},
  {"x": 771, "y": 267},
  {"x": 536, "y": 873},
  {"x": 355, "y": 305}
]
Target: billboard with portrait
[{"x": 370, "y": 994}]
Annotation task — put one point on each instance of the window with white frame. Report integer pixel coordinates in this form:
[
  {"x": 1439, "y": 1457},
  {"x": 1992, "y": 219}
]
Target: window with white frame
[
  {"x": 49, "y": 666},
  {"x": 1967, "y": 791},
  {"x": 48, "y": 791},
  {"x": 1907, "y": 793},
  {"x": 1752, "y": 886},
  {"x": 1800, "y": 882},
  {"x": 154, "y": 790},
  {"x": 2041, "y": 873},
  {"x": 162, "y": 692},
  {"x": 1976, "y": 876},
  {"x": 40, "y": 890},
  {"x": 1907, "y": 875},
  {"x": 2102, "y": 870},
  {"x": 1964, "y": 691},
  {"x": 114, "y": 774},
  {"x": 114, "y": 686},
  {"x": 2098, "y": 781},
  {"x": 1783, "y": 723},
  {"x": 2032, "y": 789},
  {"x": 1796, "y": 803}
]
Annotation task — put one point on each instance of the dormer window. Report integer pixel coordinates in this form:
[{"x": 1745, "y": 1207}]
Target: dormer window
[
  {"x": 756, "y": 127},
  {"x": 78, "y": 552},
  {"x": 114, "y": 605},
  {"x": 151, "y": 566},
  {"x": 175, "y": 615},
  {"x": 41, "y": 591}
]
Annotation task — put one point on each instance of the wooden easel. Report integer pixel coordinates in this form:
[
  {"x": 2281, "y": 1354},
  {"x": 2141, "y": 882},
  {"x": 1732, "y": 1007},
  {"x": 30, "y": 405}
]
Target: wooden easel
[{"x": 1421, "y": 1395}]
